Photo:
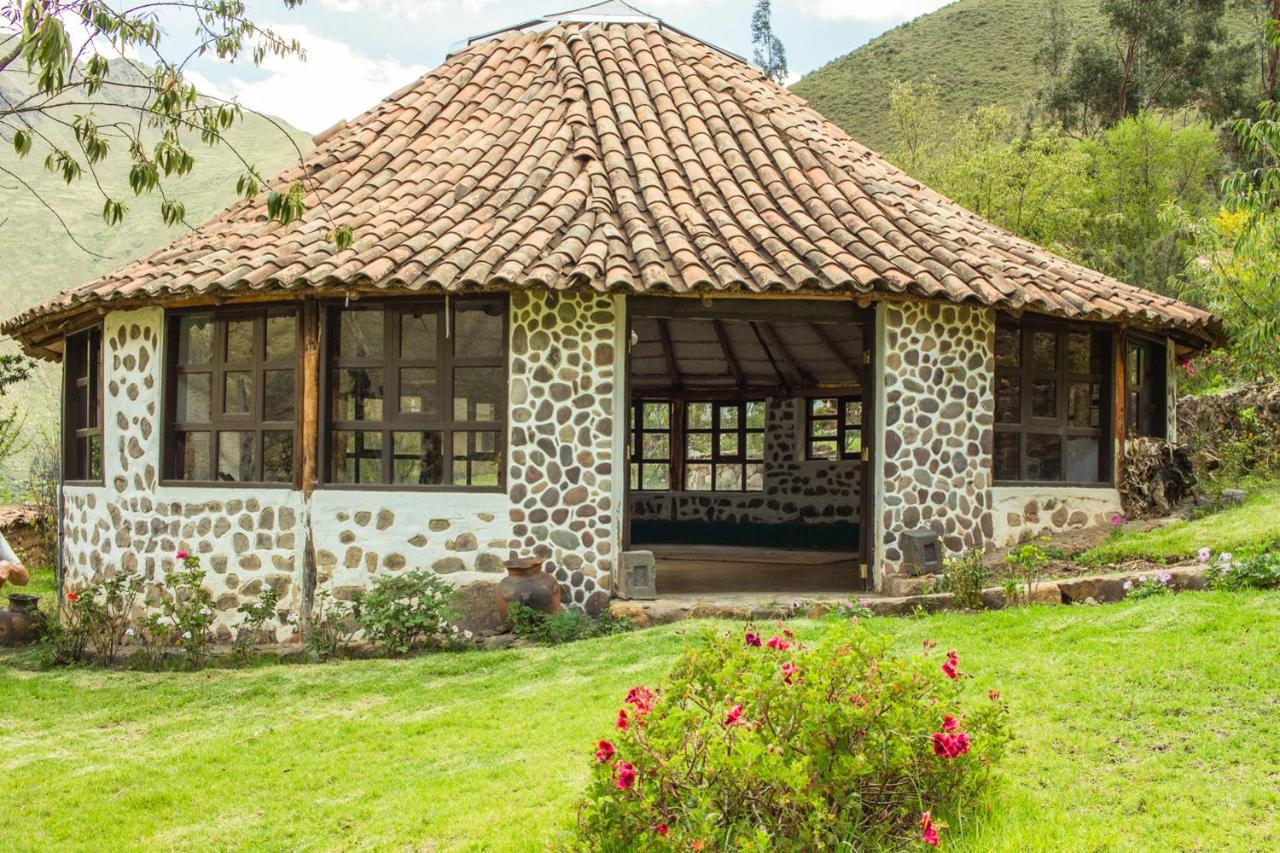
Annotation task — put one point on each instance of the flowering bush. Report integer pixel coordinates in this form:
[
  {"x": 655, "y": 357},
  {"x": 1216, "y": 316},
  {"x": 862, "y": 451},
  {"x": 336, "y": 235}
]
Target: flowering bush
[
  {"x": 760, "y": 743},
  {"x": 1149, "y": 586},
  {"x": 402, "y": 612},
  {"x": 1261, "y": 571}
]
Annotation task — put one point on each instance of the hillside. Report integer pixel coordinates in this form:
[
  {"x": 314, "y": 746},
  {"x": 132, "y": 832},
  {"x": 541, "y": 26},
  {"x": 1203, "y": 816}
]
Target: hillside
[
  {"x": 980, "y": 52},
  {"x": 39, "y": 259}
]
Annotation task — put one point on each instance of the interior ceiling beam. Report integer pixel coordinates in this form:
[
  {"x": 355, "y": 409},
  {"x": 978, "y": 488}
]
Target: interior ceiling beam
[
  {"x": 759, "y": 308},
  {"x": 772, "y": 361},
  {"x": 669, "y": 352},
  {"x": 806, "y": 378},
  {"x": 729, "y": 356},
  {"x": 750, "y": 392},
  {"x": 854, "y": 370}
]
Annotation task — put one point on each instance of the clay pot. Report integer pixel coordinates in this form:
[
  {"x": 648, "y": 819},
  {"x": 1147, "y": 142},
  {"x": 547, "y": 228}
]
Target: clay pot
[
  {"x": 526, "y": 583},
  {"x": 21, "y": 622}
]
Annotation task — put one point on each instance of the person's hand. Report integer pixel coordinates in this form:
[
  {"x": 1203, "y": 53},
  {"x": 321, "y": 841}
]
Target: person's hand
[{"x": 15, "y": 573}]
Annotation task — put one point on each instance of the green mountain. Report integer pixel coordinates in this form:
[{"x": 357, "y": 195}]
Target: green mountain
[
  {"x": 37, "y": 257},
  {"x": 980, "y": 52}
]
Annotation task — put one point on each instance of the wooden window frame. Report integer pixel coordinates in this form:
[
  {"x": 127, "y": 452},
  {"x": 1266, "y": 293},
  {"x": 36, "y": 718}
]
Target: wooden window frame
[
  {"x": 843, "y": 428},
  {"x": 393, "y": 421},
  {"x": 637, "y": 431},
  {"x": 1058, "y": 425},
  {"x": 1149, "y": 392},
  {"x": 217, "y": 369},
  {"x": 82, "y": 407},
  {"x": 719, "y": 460}
]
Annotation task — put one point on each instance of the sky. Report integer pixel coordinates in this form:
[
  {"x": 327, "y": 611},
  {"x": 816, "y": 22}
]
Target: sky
[{"x": 360, "y": 51}]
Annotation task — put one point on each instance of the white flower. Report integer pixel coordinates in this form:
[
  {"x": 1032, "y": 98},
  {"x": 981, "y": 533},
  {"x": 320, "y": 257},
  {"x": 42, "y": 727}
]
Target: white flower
[
  {"x": 467, "y": 634},
  {"x": 1128, "y": 585},
  {"x": 1224, "y": 557},
  {"x": 1142, "y": 578},
  {"x": 129, "y": 633},
  {"x": 186, "y": 635}
]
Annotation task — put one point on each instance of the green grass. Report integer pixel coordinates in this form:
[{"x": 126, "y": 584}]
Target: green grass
[
  {"x": 1142, "y": 725},
  {"x": 1245, "y": 528}
]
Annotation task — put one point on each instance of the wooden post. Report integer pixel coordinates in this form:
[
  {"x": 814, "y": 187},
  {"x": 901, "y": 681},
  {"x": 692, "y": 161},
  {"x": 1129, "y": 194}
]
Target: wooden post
[
  {"x": 309, "y": 447},
  {"x": 1119, "y": 402}
]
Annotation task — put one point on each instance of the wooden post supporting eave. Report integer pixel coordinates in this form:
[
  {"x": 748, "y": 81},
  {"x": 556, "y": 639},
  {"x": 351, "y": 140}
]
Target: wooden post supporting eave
[
  {"x": 1119, "y": 400},
  {"x": 309, "y": 445}
]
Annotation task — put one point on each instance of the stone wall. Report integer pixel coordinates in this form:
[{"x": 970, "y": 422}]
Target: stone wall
[
  {"x": 937, "y": 411},
  {"x": 1022, "y": 512},
  {"x": 795, "y": 490}
]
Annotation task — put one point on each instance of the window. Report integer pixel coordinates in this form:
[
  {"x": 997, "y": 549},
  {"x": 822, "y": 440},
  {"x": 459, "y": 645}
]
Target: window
[
  {"x": 1146, "y": 375},
  {"x": 418, "y": 398},
  {"x": 231, "y": 397},
  {"x": 724, "y": 446},
  {"x": 1051, "y": 399},
  {"x": 833, "y": 428},
  {"x": 82, "y": 419},
  {"x": 650, "y": 445}
]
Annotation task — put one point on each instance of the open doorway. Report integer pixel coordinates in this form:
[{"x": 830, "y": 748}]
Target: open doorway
[{"x": 749, "y": 445}]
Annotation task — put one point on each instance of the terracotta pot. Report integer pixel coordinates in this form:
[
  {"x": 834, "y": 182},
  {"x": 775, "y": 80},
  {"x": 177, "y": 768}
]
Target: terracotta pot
[
  {"x": 526, "y": 583},
  {"x": 20, "y": 623}
]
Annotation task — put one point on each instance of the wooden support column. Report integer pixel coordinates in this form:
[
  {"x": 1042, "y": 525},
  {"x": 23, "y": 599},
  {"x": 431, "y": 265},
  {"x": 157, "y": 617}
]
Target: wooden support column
[
  {"x": 309, "y": 448},
  {"x": 1120, "y": 393}
]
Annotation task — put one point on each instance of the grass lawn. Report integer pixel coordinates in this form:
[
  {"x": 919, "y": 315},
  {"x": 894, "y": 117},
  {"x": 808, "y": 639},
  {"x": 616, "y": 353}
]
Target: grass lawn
[
  {"x": 1141, "y": 725},
  {"x": 1240, "y": 529}
]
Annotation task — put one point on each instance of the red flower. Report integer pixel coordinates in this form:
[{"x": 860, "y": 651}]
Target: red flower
[
  {"x": 951, "y": 667},
  {"x": 733, "y": 716},
  {"x": 948, "y": 745},
  {"x": 753, "y": 639},
  {"x": 929, "y": 644},
  {"x": 950, "y": 723},
  {"x": 857, "y": 701},
  {"x": 605, "y": 751},
  {"x": 993, "y": 695},
  {"x": 776, "y": 642},
  {"x": 642, "y": 697},
  {"x": 71, "y": 596},
  {"x": 182, "y": 555},
  {"x": 661, "y": 829},
  {"x": 624, "y": 775},
  {"x": 622, "y": 720},
  {"x": 928, "y": 832},
  {"x": 789, "y": 671}
]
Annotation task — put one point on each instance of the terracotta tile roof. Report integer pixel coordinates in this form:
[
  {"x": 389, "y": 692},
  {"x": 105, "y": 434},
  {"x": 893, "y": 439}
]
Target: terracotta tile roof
[{"x": 612, "y": 157}]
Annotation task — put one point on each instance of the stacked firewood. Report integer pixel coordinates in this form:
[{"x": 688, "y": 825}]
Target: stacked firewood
[{"x": 1156, "y": 478}]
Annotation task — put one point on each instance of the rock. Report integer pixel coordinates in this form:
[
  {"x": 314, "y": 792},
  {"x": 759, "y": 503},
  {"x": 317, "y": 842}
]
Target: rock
[
  {"x": 475, "y": 607},
  {"x": 633, "y": 613},
  {"x": 1232, "y": 497},
  {"x": 498, "y": 641},
  {"x": 1103, "y": 588}
]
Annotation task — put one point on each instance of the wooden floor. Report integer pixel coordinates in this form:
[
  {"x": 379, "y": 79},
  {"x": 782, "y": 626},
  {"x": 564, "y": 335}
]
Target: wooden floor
[{"x": 710, "y": 569}]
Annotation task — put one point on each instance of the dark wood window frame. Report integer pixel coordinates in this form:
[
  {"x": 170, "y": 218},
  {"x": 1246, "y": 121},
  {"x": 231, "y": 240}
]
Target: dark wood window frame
[
  {"x": 1028, "y": 424},
  {"x": 1146, "y": 365},
  {"x": 638, "y": 455},
  {"x": 82, "y": 408},
  {"x": 392, "y": 421},
  {"x": 719, "y": 458},
  {"x": 843, "y": 429},
  {"x": 254, "y": 422}
]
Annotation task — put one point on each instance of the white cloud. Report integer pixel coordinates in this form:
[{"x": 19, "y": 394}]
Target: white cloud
[
  {"x": 405, "y": 9},
  {"x": 335, "y": 82},
  {"x": 869, "y": 11}
]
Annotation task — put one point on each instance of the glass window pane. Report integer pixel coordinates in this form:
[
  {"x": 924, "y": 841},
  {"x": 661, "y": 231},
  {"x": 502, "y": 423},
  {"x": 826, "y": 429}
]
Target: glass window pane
[
  {"x": 193, "y": 397},
  {"x": 657, "y": 446},
  {"x": 419, "y": 335},
  {"x": 1083, "y": 353},
  {"x": 1084, "y": 405},
  {"x": 418, "y": 392},
  {"x": 1135, "y": 365},
  {"x": 477, "y": 393},
  {"x": 1044, "y": 398},
  {"x": 656, "y": 477},
  {"x": 853, "y": 413},
  {"x": 1008, "y": 400},
  {"x": 729, "y": 417},
  {"x": 635, "y": 476},
  {"x": 823, "y": 407},
  {"x": 358, "y": 395},
  {"x": 475, "y": 459},
  {"x": 240, "y": 341},
  {"x": 237, "y": 398},
  {"x": 282, "y": 337},
  {"x": 278, "y": 395},
  {"x": 1083, "y": 459},
  {"x": 195, "y": 340},
  {"x": 418, "y": 458},
  {"x": 356, "y": 457},
  {"x": 194, "y": 462},
  {"x": 657, "y": 415},
  {"x": 95, "y": 457},
  {"x": 853, "y": 442},
  {"x": 698, "y": 416},
  {"x": 1007, "y": 456},
  {"x": 237, "y": 457},
  {"x": 277, "y": 457},
  {"x": 1044, "y": 351},
  {"x": 1008, "y": 346},
  {"x": 823, "y": 449},
  {"x": 1044, "y": 457},
  {"x": 823, "y": 428},
  {"x": 756, "y": 414},
  {"x": 699, "y": 446},
  {"x": 728, "y": 444},
  {"x": 729, "y": 478},
  {"x": 697, "y": 478},
  {"x": 755, "y": 478},
  {"x": 477, "y": 331},
  {"x": 755, "y": 445},
  {"x": 360, "y": 334}
]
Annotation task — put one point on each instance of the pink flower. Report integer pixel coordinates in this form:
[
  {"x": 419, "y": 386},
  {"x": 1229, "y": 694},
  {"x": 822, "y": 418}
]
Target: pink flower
[
  {"x": 661, "y": 829},
  {"x": 753, "y": 639},
  {"x": 622, "y": 720},
  {"x": 1117, "y": 519},
  {"x": 624, "y": 775},
  {"x": 950, "y": 724},
  {"x": 776, "y": 642},
  {"x": 951, "y": 667},
  {"x": 928, "y": 832},
  {"x": 1205, "y": 554},
  {"x": 789, "y": 671},
  {"x": 605, "y": 751},
  {"x": 731, "y": 719},
  {"x": 642, "y": 697},
  {"x": 949, "y": 745},
  {"x": 182, "y": 555}
]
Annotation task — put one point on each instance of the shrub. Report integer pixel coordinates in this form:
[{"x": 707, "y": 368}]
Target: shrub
[
  {"x": 1027, "y": 564},
  {"x": 256, "y": 614},
  {"x": 92, "y": 623},
  {"x": 964, "y": 578},
  {"x": 187, "y": 610},
  {"x": 330, "y": 626},
  {"x": 1261, "y": 571},
  {"x": 1149, "y": 586},
  {"x": 402, "y": 612},
  {"x": 566, "y": 626},
  {"x": 774, "y": 745}
]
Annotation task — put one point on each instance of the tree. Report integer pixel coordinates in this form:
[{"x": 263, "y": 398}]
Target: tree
[
  {"x": 770, "y": 56},
  {"x": 14, "y": 369},
  {"x": 75, "y": 52},
  {"x": 919, "y": 126},
  {"x": 1055, "y": 41}
]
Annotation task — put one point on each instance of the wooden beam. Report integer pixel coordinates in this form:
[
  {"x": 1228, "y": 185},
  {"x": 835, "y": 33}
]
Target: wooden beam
[
  {"x": 734, "y": 367},
  {"x": 855, "y": 370},
  {"x": 669, "y": 352},
  {"x": 1120, "y": 393},
  {"x": 751, "y": 392},
  {"x": 310, "y": 366},
  {"x": 772, "y": 361},
  {"x": 842, "y": 310},
  {"x": 806, "y": 378}
]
